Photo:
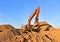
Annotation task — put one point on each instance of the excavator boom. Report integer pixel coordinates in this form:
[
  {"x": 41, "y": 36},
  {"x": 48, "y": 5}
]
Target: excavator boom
[{"x": 36, "y": 12}]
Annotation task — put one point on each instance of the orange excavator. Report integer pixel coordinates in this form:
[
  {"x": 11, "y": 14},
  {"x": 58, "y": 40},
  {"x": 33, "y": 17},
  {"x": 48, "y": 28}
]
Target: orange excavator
[{"x": 35, "y": 13}]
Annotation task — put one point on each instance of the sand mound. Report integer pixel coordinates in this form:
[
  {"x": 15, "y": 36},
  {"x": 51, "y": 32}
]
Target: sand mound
[
  {"x": 46, "y": 27},
  {"x": 6, "y": 27},
  {"x": 47, "y": 33}
]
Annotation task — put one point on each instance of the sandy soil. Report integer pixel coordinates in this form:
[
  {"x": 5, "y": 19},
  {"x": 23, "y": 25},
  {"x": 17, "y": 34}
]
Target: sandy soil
[{"x": 46, "y": 33}]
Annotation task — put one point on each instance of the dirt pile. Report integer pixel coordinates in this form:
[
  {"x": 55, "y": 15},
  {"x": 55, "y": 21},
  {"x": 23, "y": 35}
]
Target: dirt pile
[{"x": 46, "y": 33}]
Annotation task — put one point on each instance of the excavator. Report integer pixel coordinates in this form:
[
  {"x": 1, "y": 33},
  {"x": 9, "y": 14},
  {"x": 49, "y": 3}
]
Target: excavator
[{"x": 36, "y": 23}]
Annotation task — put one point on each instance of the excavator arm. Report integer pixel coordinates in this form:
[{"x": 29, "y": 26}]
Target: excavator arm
[{"x": 36, "y": 12}]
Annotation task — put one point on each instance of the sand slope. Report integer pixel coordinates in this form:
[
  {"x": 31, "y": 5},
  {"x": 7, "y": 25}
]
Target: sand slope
[{"x": 47, "y": 33}]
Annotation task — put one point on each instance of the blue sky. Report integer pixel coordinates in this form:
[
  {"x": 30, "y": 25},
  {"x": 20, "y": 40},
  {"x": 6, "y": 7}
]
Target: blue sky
[{"x": 16, "y": 12}]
